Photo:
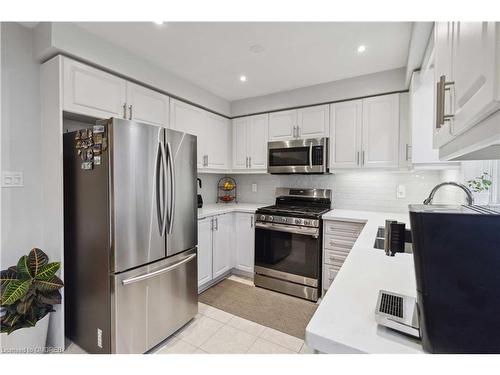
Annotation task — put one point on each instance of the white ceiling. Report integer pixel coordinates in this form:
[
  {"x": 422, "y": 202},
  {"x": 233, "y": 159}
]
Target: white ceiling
[{"x": 215, "y": 54}]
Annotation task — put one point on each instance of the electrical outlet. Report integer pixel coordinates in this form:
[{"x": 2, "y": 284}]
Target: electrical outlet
[
  {"x": 401, "y": 192},
  {"x": 254, "y": 188},
  {"x": 12, "y": 179}
]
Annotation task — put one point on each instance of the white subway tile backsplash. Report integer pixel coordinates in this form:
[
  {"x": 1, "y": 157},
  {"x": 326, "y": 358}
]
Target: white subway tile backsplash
[{"x": 363, "y": 190}]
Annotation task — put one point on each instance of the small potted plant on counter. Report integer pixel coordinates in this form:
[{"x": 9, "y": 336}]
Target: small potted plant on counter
[
  {"x": 480, "y": 187},
  {"x": 29, "y": 291}
]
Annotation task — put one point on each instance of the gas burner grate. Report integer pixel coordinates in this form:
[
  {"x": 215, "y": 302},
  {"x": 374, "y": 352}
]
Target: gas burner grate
[{"x": 391, "y": 305}]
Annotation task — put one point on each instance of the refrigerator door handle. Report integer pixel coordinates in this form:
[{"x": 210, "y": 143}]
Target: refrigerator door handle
[
  {"x": 164, "y": 172},
  {"x": 158, "y": 272},
  {"x": 158, "y": 191},
  {"x": 171, "y": 169}
]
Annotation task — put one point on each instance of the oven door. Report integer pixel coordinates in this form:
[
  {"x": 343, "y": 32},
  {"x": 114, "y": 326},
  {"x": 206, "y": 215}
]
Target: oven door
[
  {"x": 288, "y": 252},
  {"x": 298, "y": 156}
]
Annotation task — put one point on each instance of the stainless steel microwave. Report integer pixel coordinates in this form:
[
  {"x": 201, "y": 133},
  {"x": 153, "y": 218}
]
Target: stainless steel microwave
[{"x": 301, "y": 156}]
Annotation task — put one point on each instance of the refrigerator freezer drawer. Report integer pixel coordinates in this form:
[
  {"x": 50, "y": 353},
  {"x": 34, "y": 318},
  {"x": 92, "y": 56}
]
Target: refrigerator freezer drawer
[{"x": 152, "y": 302}]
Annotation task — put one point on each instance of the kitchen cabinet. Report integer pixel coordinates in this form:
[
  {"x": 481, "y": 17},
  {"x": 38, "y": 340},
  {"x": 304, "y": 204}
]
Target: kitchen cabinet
[
  {"x": 222, "y": 235},
  {"x": 346, "y": 119},
  {"x": 380, "y": 135},
  {"x": 474, "y": 73},
  {"x": 216, "y": 141},
  {"x": 313, "y": 122},
  {"x": 215, "y": 237},
  {"x": 339, "y": 237},
  {"x": 190, "y": 119},
  {"x": 282, "y": 125},
  {"x": 211, "y": 130},
  {"x": 245, "y": 240},
  {"x": 148, "y": 106},
  {"x": 92, "y": 92},
  {"x": 204, "y": 251},
  {"x": 466, "y": 84},
  {"x": 308, "y": 122},
  {"x": 365, "y": 133},
  {"x": 250, "y": 142}
]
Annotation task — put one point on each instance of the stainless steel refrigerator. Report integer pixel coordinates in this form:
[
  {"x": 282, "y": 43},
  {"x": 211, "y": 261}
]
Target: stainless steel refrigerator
[{"x": 130, "y": 264}]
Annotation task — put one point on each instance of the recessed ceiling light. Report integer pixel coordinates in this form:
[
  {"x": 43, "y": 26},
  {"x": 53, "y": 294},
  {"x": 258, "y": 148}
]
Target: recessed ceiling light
[
  {"x": 361, "y": 49},
  {"x": 243, "y": 78},
  {"x": 159, "y": 22}
]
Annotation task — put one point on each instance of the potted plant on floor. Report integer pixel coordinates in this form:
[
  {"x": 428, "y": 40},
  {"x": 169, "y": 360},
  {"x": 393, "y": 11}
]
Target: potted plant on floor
[
  {"x": 480, "y": 187},
  {"x": 29, "y": 291}
]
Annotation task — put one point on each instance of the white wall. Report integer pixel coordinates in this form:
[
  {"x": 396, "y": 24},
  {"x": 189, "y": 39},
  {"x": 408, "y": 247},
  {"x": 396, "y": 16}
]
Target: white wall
[
  {"x": 20, "y": 143},
  {"x": 52, "y": 38},
  {"x": 359, "y": 190},
  {"x": 370, "y": 84}
]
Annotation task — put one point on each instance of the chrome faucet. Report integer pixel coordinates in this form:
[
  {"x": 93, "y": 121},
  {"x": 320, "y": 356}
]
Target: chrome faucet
[{"x": 470, "y": 200}]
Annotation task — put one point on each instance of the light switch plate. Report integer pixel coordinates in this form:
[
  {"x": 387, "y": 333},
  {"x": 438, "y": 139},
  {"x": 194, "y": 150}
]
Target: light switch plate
[
  {"x": 12, "y": 179},
  {"x": 254, "y": 188},
  {"x": 401, "y": 192}
]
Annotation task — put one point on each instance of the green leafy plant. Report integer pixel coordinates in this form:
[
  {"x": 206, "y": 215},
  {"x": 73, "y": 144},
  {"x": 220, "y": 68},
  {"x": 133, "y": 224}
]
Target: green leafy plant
[
  {"x": 480, "y": 184},
  {"x": 29, "y": 291}
]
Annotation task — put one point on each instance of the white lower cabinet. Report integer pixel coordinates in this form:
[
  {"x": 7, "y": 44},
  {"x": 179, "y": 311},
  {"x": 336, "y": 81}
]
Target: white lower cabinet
[
  {"x": 215, "y": 239},
  {"x": 244, "y": 242},
  {"x": 204, "y": 250},
  {"x": 339, "y": 237},
  {"x": 222, "y": 232}
]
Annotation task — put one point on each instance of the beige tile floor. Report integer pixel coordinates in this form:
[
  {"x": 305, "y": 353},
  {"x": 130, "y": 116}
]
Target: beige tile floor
[{"x": 214, "y": 331}]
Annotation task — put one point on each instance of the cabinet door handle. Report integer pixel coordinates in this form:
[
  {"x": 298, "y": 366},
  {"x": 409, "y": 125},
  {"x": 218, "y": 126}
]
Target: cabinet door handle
[
  {"x": 442, "y": 87},
  {"x": 249, "y": 162},
  {"x": 357, "y": 158},
  {"x": 207, "y": 160},
  {"x": 217, "y": 224},
  {"x": 211, "y": 224},
  {"x": 408, "y": 152},
  {"x": 124, "y": 110},
  {"x": 246, "y": 162},
  {"x": 363, "y": 157},
  {"x": 130, "y": 112},
  {"x": 251, "y": 221}
]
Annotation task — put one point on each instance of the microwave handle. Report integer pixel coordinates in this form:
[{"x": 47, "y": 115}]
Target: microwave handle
[{"x": 311, "y": 154}]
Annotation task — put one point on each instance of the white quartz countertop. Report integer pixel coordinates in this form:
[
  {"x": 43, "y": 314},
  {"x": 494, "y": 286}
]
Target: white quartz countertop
[
  {"x": 212, "y": 209},
  {"x": 345, "y": 319}
]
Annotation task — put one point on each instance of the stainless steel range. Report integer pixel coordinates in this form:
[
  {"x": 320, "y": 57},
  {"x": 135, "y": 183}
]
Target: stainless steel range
[{"x": 288, "y": 237}]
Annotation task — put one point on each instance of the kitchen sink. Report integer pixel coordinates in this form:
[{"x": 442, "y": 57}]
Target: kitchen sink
[{"x": 380, "y": 240}]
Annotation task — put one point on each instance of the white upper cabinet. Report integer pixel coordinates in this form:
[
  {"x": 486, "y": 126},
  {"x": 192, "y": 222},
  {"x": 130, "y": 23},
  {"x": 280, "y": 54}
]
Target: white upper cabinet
[
  {"x": 92, "y": 92},
  {"x": 257, "y": 141},
  {"x": 240, "y": 155},
  {"x": 146, "y": 105},
  {"x": 380, "y": 138},
  {"x": 313, "y": 122},
  {"x": 346, "y": 119},
  {"x": 474, "y": 73},
  {"x": 308, "y": 122},
  {"x": 216, "y": 140},
  {"x": 282, "y": 125},
  {"x": 467, "y": 92},
  {"x": 190, "y": 119},
  {"x": 365, "y": 133},
  {"x": 250, "y": 142},
  {"x": 245, "y": 235}
]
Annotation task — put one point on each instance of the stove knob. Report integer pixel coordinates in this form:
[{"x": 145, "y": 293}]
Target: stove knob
[
  {"x": 298, "y": 221},
  {"x": 262, "y": 217},
  {"x": 270, "y": 218},
  {"x": 307, "y": 222}
]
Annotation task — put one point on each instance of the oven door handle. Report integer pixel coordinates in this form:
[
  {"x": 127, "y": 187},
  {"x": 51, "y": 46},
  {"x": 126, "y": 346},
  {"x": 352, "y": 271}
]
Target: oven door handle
[
  {"x": 307, "y": 231},
  {"x": 311, "y": 154}
]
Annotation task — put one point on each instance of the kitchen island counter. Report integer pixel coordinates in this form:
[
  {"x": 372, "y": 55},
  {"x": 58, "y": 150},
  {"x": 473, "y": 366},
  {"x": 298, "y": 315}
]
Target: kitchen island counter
[{"x": 345, "y": 319}]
